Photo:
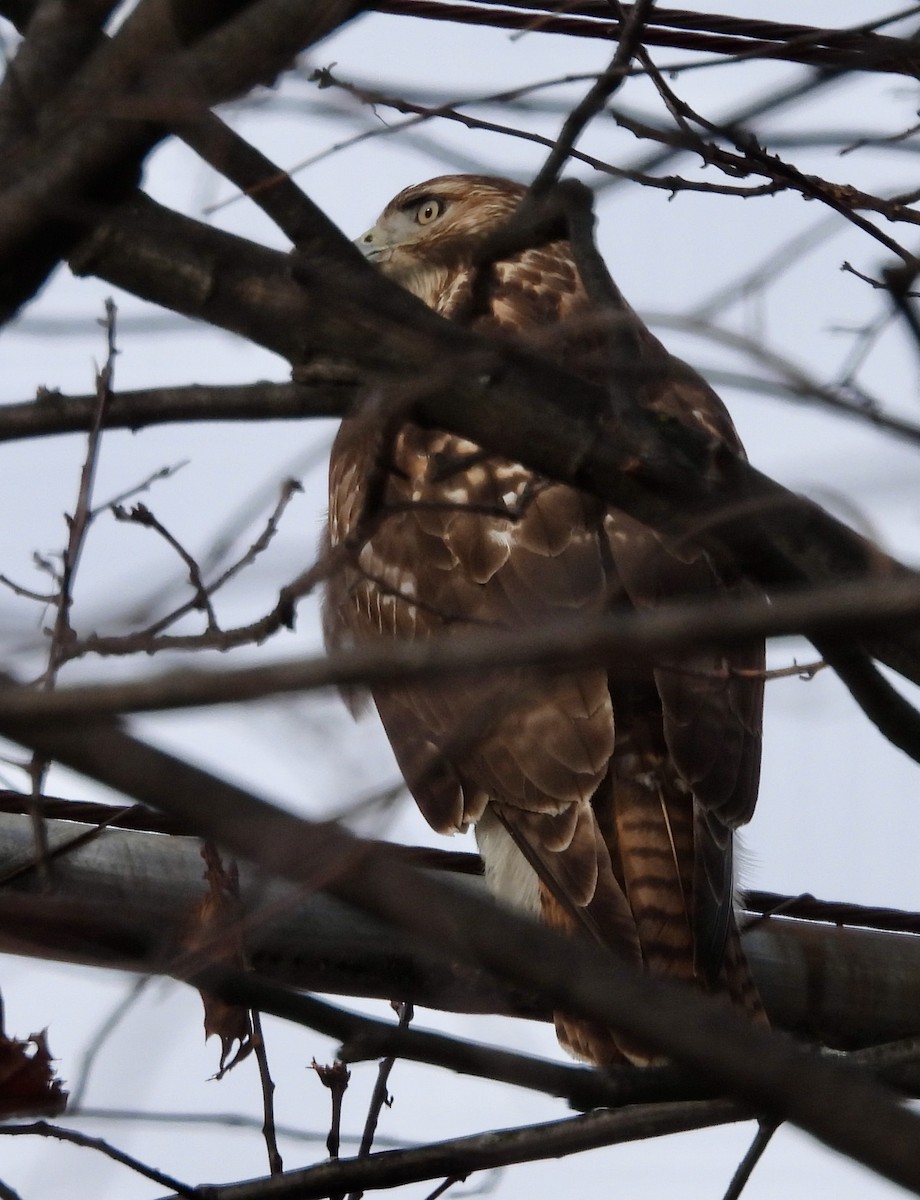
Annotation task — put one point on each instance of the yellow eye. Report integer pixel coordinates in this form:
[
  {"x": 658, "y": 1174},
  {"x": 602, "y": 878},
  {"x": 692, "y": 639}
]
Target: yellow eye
[{"x": 427, "y": 211}]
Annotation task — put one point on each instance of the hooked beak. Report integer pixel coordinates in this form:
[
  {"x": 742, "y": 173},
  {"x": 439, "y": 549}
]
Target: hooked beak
[{"x": 372, "y": 245}]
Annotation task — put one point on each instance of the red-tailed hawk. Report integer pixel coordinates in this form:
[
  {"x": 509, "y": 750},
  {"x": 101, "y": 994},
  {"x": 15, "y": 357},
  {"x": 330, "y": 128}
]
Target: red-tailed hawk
[{"x": 603, "y": 804}]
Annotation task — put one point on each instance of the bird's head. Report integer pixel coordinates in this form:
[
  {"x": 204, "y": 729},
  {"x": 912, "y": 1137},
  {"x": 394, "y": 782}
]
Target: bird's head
[{"x": 437, "y": 224}]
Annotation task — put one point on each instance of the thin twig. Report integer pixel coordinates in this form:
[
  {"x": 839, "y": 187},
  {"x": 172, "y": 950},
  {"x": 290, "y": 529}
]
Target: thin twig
[
  {"x": 281, "y": 616},
  {"x": 138, "y": 488},
  {"x": 795, "y": 380},
  {"x": 184, "y": 1121},
  {"x": 335, "y": 1077},
  {"x": 380, "y": 1096},
  {"x": 43, "y": 1129},
  {"x": 765, "y": 1131},
  {"x": 596, "y": 97},
  {"x": 140, "y": 514},
  {"x": 442, "y": 1187},
  {"x": 18, "y": 590},
  {"x": 275, "y": 1163},
  {"x": 289, "y": 489},
  {"x": 62, "y": 632},
  {"x": 105, "y": 1029},
  {"x": 80, "y": 522},
  {"x": 753, "y": 158},
  {"x": 669, "y": 183}
]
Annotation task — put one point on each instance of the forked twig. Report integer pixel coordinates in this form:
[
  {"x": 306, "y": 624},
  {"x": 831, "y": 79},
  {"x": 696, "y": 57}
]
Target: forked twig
[
  {"x": 597, "y": 96},
  {"x": 62, "y": 632}
]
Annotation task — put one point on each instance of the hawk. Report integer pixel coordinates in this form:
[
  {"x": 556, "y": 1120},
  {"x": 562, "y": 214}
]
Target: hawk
[{"x": 603, "y": 804}]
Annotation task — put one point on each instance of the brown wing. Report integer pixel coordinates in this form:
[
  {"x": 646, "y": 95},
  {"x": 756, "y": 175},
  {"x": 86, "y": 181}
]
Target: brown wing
[
  {"x": 711, "y": 703},
  {"x": 442, "y": 563},
  {"x": 693, "y": 730},
  {"x": 620, "y": 793}
]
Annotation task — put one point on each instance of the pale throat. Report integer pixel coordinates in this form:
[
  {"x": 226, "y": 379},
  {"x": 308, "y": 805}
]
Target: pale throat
[{"x": 428, "y": 281}]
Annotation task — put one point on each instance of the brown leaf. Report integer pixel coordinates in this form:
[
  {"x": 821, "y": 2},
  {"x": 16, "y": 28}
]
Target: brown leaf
[
  {"x": 28, "y": 1087},
  {"x": 214, "y": 931},
  {"x": 232, "y": 1023}
]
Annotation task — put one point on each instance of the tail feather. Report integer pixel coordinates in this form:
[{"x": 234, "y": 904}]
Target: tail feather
[
  {"x": 738, "y": 980},
  {"x": 626, "y": 876},
  {"x": 655, "y": 841}
]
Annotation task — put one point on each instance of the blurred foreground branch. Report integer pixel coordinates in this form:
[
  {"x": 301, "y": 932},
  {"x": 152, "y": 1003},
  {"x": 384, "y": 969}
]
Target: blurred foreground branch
[
  {"x": 513, "y": 402},
  {"x": 121, "y": 899},
  {"x": 779, "y": 1078}
]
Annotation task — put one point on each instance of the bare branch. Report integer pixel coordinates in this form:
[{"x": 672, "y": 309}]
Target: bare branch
[
  {"x": 775, "y": 1074},
  {"x": 598, "y": 95},
  {"x": 151, "y": 71},
  {"x": 43, "y": 1129},
  {"x": 765, "y": 1132},
  {"x": 269, "y": 1129},
  {"x": 53, "y": 413},
  {"x": 624, "y": 641},
  {"x": 794, "y": 43},
  {"x": 794, "y": 383},
  {"x": 380, "y": 1096},
  {"x": 496, "y": 1148}
]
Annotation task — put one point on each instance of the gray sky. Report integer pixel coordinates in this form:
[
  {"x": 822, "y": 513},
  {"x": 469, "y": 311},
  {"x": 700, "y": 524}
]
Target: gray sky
[{"x": 838, "y": 814}]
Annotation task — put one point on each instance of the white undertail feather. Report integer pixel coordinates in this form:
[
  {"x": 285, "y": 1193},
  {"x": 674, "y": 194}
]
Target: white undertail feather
[
  {"x": 509, "y": 876},
  {"x": 744, "y": 862}
]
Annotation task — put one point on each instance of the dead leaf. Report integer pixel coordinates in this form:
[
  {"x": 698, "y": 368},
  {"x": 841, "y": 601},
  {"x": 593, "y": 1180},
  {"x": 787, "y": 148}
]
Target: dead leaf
[
  {"x": 214, "y": 931},
  {"x": 28, "y": 1087}
]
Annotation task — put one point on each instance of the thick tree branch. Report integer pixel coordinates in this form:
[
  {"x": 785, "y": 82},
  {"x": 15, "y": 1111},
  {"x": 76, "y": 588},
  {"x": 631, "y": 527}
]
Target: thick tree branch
[
  {"x": 767, "y": 1070},
  {"x": 627, "y": 642},
  {"x": 122, "y": 901},
  {"x": 95, "y": 134},
  {"x": 504, "y": 398}
]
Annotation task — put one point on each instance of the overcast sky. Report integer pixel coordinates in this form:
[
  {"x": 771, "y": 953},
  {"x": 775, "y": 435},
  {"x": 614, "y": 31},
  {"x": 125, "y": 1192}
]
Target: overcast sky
[{"x": 838, "y": 814}]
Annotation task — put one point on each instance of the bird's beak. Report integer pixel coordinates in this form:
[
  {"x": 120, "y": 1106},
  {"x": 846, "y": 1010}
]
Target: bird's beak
[{"x": 371, "y": 244}]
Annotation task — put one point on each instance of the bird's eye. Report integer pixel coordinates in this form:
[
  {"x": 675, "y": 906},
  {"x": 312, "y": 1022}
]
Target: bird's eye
[{"x": 427, "y": 211}]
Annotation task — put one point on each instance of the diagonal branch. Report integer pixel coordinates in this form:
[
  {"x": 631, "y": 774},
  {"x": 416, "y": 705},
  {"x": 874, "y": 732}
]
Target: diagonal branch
[
  {"x": 626, "y": 641},
  {"x": 853, "y": 49},
  {"x": 95, "y": 134},
  {"x": 514, "y": 402},
  {"x": 767, "y": 1070},
  {"x": 597, "y": 96},
  {"x": 494, "y": 1148}
]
